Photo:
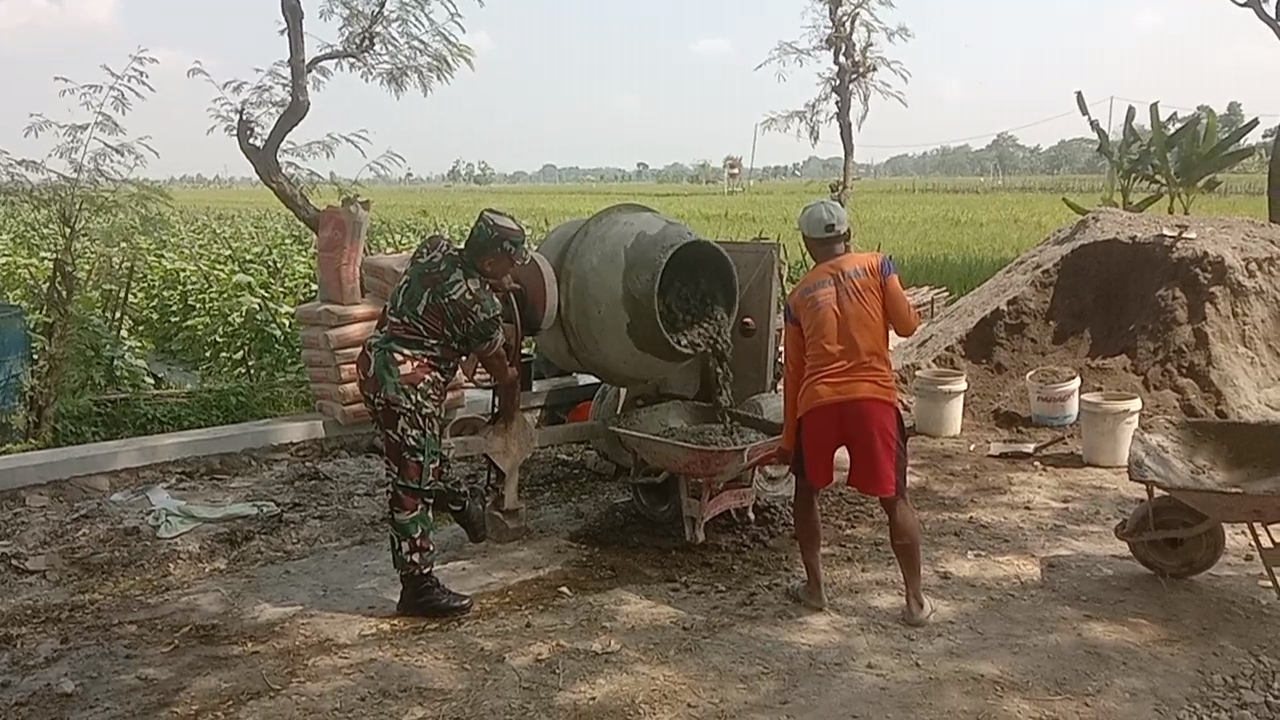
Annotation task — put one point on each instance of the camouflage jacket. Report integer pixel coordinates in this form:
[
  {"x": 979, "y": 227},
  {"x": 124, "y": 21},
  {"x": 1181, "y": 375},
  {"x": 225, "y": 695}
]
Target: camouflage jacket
[{"x": 441, "y": 311}]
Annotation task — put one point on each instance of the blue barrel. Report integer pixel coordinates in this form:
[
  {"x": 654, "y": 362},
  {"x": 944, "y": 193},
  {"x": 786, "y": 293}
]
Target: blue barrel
[{"x": 15, "y": 357}]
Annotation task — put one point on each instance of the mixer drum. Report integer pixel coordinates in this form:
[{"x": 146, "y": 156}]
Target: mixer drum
[
  {"x": 611, "y": 271},
  {"x": 538, "y": 298}
]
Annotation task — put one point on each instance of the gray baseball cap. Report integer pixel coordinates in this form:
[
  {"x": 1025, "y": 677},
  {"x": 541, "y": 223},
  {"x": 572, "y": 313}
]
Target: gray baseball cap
[{"x": 823, "y": 220}]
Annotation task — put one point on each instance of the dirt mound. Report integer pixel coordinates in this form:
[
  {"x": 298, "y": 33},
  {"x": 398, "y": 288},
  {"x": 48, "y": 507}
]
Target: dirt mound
[{"x": 1190, "y": 323}]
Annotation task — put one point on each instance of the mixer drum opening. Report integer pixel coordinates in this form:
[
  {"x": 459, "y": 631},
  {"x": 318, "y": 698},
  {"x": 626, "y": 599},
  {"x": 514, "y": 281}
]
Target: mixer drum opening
[{"x": 697, "y": 276}]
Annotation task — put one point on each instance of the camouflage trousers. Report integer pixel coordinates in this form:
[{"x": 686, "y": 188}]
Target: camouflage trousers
[{"x": 410, "y": 419}]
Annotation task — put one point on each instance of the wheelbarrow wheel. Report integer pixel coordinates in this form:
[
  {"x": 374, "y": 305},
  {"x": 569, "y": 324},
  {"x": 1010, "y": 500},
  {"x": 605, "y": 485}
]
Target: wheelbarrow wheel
[
  {"x": 1175, "y": 558},
  {"x": 658, "y": 501}
]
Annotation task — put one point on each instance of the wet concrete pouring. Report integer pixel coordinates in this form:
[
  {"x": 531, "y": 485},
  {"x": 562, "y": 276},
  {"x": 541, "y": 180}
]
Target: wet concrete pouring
[
  {"x": 696, "y": 322},
  {"x": 600, "y": 613}
]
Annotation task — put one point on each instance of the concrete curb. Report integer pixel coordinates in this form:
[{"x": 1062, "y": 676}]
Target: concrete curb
[{"x": 45, "y": 466}]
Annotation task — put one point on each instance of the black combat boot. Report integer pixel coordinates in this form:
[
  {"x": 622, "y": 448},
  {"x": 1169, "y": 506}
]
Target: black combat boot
[
  {"x": 471, "y": 517},
  {"x": 424, "y": 596}
]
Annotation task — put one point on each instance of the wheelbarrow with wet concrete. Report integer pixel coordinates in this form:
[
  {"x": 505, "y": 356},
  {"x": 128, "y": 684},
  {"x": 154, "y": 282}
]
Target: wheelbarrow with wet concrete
[{"x": 709, "y": 479}]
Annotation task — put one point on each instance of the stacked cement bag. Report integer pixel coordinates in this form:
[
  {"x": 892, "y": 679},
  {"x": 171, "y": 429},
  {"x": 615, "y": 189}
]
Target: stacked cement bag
[
  {"x": 380, "y": 273},
  {"x": 334, "y": 326},
  {"x": 352, "y": 293},
  {"x": 332, "y": 337}
]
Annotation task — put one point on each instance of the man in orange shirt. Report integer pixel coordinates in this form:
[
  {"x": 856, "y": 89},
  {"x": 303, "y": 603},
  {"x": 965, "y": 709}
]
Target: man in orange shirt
[{"x": 839, "y": 391}]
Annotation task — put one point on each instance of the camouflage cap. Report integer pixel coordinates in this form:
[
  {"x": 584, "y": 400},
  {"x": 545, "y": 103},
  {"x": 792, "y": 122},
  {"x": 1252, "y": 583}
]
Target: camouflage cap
[{"x": 496, "y": 232}]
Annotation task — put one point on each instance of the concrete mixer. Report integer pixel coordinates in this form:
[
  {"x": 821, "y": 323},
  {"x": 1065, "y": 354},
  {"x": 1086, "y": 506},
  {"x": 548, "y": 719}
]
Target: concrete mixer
[{"x": 591, "y": 301}]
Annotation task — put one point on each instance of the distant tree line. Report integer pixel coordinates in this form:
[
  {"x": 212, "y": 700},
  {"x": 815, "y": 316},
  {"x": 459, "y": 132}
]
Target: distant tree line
[{"x": 1004, "y": 156}]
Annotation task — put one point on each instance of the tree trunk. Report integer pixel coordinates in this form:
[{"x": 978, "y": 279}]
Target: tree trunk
[
  {"x": 286, "y": 191},
  {"x": 1273, "y": 182},
  {"x": 850, "y": 167}
]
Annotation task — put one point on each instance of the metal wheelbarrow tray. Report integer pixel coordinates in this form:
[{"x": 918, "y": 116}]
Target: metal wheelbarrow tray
[
  {"x": 697, "y": 475},
  {"x": 1213, "y": 472}
]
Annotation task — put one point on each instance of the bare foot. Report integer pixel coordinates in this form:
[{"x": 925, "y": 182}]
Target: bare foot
[
  {"x": 918, "y": 614},
  {"x": 801, "y": 593}
]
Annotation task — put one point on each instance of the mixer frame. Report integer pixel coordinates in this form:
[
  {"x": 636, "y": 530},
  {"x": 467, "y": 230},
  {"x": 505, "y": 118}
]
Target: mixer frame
[{"x": 753, "y": 363}]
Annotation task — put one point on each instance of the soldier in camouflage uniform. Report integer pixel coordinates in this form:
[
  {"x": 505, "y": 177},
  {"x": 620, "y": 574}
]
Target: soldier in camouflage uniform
[{"x": 443, "y": 310}]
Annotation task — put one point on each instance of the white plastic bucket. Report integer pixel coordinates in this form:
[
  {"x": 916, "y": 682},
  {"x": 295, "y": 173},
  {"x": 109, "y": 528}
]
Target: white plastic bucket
[
  {"x": 1054, "y": 402},
  {"x": 939, "y": 407},
  {"x": 1107, "y": 423}
]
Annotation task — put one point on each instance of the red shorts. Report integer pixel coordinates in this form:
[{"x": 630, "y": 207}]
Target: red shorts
[{"x": 873, "y": 433}]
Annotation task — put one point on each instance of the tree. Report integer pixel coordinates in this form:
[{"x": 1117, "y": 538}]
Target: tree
[
  {"x": 1129, "y": 161},
  {"x": 403, "y": 46},
  {"x": 1177, "y": 159},
  {"x": 82, "y": 220},
  {"x": 1186, "y": 162},
  {"x": 1270, "y": 16},
  {"x": 853, "y": 37},
  {"x": 455, "y": 172}
]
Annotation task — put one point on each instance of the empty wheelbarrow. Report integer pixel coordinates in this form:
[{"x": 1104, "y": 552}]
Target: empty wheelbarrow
[{"x": 1212, "y": 472}]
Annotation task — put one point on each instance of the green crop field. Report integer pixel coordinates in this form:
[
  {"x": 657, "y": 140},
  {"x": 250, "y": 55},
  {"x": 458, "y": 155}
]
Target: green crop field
[
  {"x": 950, "y": 234},
  {"x": 209, "y": 284}
]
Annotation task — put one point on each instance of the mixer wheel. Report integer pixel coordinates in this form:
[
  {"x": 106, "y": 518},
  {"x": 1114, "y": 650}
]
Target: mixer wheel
[{"x": 606, "y": 405}]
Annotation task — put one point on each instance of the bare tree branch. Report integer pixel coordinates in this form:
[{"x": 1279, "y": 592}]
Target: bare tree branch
[
  {"x": 1269, "y": 17},
  {"x": 851, "y": 37},
  {"x": 405, "y": 45}
]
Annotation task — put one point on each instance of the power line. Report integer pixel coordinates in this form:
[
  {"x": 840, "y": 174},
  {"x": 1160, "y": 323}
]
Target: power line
[
  {"x": 971, "y": 138},
  {"x": 984, "y": 136},
  {"x": 1187, "y": 109}
]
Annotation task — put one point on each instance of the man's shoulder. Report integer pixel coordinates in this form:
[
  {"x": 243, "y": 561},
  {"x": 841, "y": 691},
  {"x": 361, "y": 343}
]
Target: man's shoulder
[
  {"x": 435, "y": 251},
  {"x": 435, "y": 263},
  {"x": 870, "y": 259}
]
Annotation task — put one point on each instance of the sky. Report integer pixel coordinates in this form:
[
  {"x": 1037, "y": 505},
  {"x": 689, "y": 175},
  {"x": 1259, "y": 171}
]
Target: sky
[{"x": 612, "y": 83}]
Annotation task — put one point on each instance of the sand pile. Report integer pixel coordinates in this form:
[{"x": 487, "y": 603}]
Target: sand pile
[{"x": 1192, "y": 324}]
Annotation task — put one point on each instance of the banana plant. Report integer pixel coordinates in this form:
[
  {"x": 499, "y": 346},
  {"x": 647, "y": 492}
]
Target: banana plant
[
  {"x": 1129, "y": 162},
  {"x": 1187, "y": 161}
]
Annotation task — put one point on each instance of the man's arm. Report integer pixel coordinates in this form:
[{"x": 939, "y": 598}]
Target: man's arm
[
  {"x": 792, "y": 375},
  {"x": 476, "y": 321},
  {"x": 902, "y": 314}
]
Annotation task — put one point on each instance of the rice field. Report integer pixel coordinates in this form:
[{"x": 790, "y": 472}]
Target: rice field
[
  {"x": 212, "y": 282},
  {"x": 954, "y": 235}
]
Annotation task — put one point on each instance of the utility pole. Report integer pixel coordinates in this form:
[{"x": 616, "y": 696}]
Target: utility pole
[
  {"x": 1111, "y": 106},
  {"x": 755, "y": 131}
]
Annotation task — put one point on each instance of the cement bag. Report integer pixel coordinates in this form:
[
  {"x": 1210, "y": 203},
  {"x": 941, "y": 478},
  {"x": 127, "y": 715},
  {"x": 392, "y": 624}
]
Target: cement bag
[
  {"x": 338, "y": 338},
  {"x": 381, "y": 273},
  {"x": 330, "y": 315},
  {"x": 455, "y": 398},
  {"x": 345, "y": 394},
  {"x": 339, "y": 250},
  {"x": 376, "y": 291},
  {"x": 332, "y": 374},
  {"x": 330, "y": 358},
  {"x": 353, "y": 414}
]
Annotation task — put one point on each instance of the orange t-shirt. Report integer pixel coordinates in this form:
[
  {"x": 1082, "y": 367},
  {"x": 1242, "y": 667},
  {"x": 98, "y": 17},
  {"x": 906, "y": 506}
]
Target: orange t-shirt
[{"x": 836, "y": 330}]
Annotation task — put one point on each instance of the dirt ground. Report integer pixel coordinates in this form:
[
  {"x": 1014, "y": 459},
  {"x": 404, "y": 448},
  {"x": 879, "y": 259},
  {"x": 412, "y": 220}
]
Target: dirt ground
[{"x": 600, "y": 614}]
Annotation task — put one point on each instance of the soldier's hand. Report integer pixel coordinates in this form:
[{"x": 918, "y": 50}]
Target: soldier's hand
[{"x": 503, "y": 284}]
